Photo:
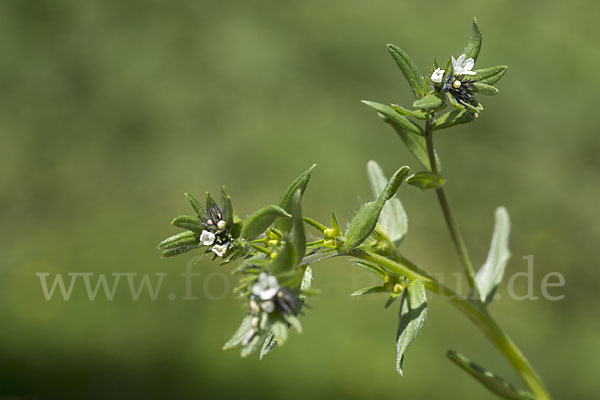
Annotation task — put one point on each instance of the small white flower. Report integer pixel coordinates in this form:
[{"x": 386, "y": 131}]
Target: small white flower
[
  {"x": 266, "y": 288},
  {"x": 219, "y": 249},
  {"x": 207, "y": 238},
  {"x": 221, "y": 224},
  {"x": 463, "y": 65},
  {"x": 437, "y": 75},
  {"x": 268, "y": 306}
]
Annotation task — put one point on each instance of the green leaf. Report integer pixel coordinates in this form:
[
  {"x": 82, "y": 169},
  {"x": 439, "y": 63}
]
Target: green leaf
[
  {"x": 369, "y": 290},
  {"x": 408, "y": 68},
  {"x": 487, "y": 90},
  {"x": 261, "y": 219},
  {"x": 335, "y": 225},
  {"x": 418, "y": 114},
  {"x": 425, "y": 180},
  {"x": 490, "y": 75},
  {"x": 300, "y": 182},
  {"x": 452, "y": 118},
  {"x": 229, "y": 213},
  {"x": 414, "y": 142},
  {"x": 393, "y": 218},
  {"x": 280, "y": 332},
  {"x": 376, "y": 269},
  {"x": 182, "y": 239},
  {"x": 239, "y": 335},
  {"x": 365, "y": 221},
  {"x": 431, "y": 102},
  {"x": 392, "y": 116},
  {"x": 474, "y": 45},
  {"x": 297, "y": 237},
  {"x": 490, "y": 275},
  {"x": 413, "y": 312},
  {"x": 284, "y": 261},
  {"x": 195, "y": 204},
  {"x": 268, "y": 345},
  {"x": 493, "y": 382},
  {"x": 187, "y": 222},
  {"x": 210, "y": 202}
]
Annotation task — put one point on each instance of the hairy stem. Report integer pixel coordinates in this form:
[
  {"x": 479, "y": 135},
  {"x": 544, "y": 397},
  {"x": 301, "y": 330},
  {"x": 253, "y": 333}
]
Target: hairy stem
[
  {"x": 457, "y": 239},
  {"x": 476, "y": 314}
]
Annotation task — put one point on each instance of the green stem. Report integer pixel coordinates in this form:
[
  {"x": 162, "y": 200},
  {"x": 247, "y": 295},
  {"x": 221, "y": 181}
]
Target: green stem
[
  {"x": 457, "y": 239},
  {"x": 477, "y": 315}
]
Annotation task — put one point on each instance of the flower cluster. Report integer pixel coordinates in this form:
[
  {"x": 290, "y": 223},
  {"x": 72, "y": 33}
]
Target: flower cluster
[
  {"x": 455, "y": 83},
  {"x": 215, "y": 235}
]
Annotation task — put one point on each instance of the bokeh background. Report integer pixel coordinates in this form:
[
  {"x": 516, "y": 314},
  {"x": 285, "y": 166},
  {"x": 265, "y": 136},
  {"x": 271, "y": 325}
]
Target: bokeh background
[{"x": 110, "y": 110}]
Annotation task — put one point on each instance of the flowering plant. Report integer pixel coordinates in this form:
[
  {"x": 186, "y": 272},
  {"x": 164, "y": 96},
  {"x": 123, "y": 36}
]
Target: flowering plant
[{"x": 275, "y": 272}]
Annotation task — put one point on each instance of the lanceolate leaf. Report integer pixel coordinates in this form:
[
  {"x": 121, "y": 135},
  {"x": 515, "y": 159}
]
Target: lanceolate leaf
[
  {"x": 186, "y": 238},
  {"x": 364, "y": 222},
  {"x": 285, "y": 259},
  {"x": 393, "y": 218},
  {"x": 474, "y": 44},
  {"x": 408, "y": 68},
  {"x": 418, "y": 114},
  {"x": 369, "y": 290},
  {"x": 490, "y": 275},
  {"x": 261, "y": 219},
  {"x": 488, "y": 379},
  {"x": 188, "y": 222},
  {"x": 239, "y": 335},
  {"x": 297, "y": 236},
  {"x": 413, "y": 141},
  {"x": 195, "y": 204},
  {"x": 395, "y": 117},
  {"x": 490, "y": 75},
  {"x": 286, "y": 202},
  {"x": 413, "y": 312}
]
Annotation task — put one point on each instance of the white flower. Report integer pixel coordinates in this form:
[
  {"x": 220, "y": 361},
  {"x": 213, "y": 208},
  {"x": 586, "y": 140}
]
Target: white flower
[
  {"x": 437, "y": 75},
  {"x": 219, "y": 249},
  {"x": 268, "y": 306},
  {"x": 221, "y": 224},
  {"x": 207, "y": 238},
  {"x": 463, "y": 65},
  {"x": 266, "y": 288}
]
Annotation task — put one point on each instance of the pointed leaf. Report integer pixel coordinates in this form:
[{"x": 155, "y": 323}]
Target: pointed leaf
[
  {"x": 414, "y": 142},
  {"x": 188, "y": 222},
  {"x": 490, "y": 275},
  {"x": 195, "y": 204},
  {"x": 369, "y": 290},
  {"x": 425, "y": 180},
  {"x": 393, "y": 218},
  {"x": 392, "y": 116},
  {"x": 297, "y": 236},
  {"x": 286, "y": 202},
  {"x": 376, "y": 269},
  {"x": 365, "y": 221},
  {"x": 294, "y": 322},
  {"x": 408, "y": 68},
  {"x": 186, "y": 238},
  {"x": 490, "y": 75},
  {"x": 306, "y": 284},
  {"x": 261, "y": 219},
  {"x": 474, "y": 44},
  {"x": 493, "y": 382},
  {"x": 413, "y": 312}
]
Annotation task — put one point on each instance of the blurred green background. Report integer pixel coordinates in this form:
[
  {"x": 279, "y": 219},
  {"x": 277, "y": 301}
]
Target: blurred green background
[{"x": 110, "y": 110}]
